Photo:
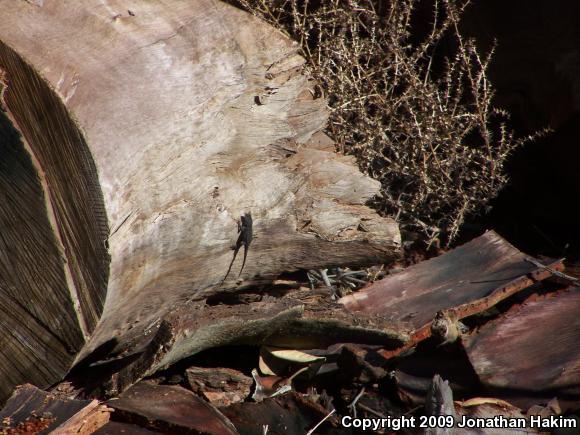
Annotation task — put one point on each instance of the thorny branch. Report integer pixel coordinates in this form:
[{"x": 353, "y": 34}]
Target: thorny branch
[{"x": 415, "y": 110}]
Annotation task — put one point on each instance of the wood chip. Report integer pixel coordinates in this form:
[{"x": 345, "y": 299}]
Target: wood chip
[{"x": 31, "y": 410}]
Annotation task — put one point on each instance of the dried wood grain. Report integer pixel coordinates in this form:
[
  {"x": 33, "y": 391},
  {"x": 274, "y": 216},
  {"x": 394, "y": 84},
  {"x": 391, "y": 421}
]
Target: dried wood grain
[
  {"x": 170, "y": 409},
  {"x": 49, "y": 413},
  {"x": 433, "y": 295},
  {"x": 143, "y": 129},
  {"x": 533, "y": 348}
]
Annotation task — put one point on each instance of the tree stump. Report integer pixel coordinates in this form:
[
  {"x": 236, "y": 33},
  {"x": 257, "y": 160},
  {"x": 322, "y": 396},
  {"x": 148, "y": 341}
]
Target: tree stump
[{"x": 133, "y": 136}]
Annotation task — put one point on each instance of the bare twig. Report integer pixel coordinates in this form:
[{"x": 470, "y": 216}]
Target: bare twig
[
  {"x": 371, "y": 411},
  {"x": 311, "y": 431},
  {"x": 352, "y": 404},
  {"x": 570, "y": 278}
]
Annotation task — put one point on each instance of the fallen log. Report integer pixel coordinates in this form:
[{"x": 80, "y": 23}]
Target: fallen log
[{"x": 133, "y": 137}]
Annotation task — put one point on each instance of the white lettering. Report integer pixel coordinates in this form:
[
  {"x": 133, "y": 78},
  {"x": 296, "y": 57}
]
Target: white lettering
[{"x": 374, "y": 424}]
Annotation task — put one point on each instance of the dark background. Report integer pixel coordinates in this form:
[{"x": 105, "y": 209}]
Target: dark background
[{"x": 536, "y": 74}]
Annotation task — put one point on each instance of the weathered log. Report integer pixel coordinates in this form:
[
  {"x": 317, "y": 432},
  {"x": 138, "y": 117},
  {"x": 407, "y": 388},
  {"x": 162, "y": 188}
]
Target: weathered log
[{"x": 134, "y": 136}]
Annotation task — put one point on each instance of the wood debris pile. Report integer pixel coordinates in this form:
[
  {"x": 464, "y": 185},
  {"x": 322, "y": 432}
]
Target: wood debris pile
[{"x": 485, "y": 331}]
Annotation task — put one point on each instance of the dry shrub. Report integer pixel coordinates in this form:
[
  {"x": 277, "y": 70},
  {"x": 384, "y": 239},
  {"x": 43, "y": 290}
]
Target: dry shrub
[{"x": 409, "y": 98}]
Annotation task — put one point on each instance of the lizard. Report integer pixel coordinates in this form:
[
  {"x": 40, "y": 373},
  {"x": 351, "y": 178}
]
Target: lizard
[{"x": 245, "y": 230}]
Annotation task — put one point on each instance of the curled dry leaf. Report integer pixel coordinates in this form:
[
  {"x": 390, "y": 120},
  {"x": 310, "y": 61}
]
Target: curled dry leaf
[
  {"x": 276, "y": 361},
  {"x": 477, "y": 401}
]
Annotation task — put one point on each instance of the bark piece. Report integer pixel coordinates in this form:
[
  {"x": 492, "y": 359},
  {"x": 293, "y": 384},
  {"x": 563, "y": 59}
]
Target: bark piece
[
  {"x": 288, "y": 322},
  {"x": 352, "y": 364},
  {"x": 116, "y": 428},
  {"x": 532, "y": 349},
  {"x": 287, "y": 414},
  {"x": 434, "y": 295},
  {"x": 497, "y": 413},
  {"x": 169, "y": 409},
  {"x": 221, "y": 386},
  {"x": 86, "y": 421},
  {"x": 30, "y": 408},
  {"x": 551, "y": 408},
  {"x": 145, "y": 145}
]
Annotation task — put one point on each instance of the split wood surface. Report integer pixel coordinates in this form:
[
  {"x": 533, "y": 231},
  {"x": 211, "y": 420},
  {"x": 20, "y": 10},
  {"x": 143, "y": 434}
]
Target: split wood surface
[{"x": 134, "y": 136}]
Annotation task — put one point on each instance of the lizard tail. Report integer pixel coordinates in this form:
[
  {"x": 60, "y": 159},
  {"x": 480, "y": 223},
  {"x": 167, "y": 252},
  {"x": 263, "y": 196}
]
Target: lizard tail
[
  {"x": 229, "y": 268},
  {"x": 243, "y": 262}
]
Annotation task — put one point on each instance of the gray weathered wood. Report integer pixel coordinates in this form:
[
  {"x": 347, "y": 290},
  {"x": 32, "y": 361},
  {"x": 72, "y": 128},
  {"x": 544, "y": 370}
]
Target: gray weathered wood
[{"x": 149, "y": 128}]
